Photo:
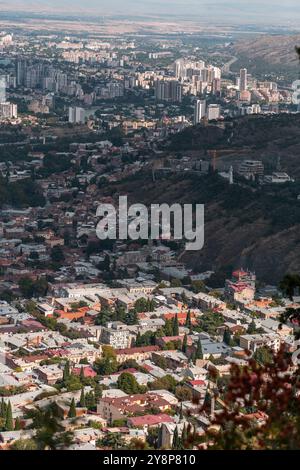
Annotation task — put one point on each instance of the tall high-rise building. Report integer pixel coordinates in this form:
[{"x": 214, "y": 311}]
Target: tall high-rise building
[
  {"x": 243, "y": 80},
  {"x": 21, "y": 70},
  {"x": 160, "y": 90},
  {"x": 175, "y": 91},
  {"x": 213, "y": 112},
  {"x": 168, "y": 91},
  {"x": 8, "y": 111},
  {"x": 199, "y": 110},
  {"x": 216, "y": 86},
  {"x": 179, "y": 69},
  {"x": 2, "y": 89},
  {"x": 76, "y": 115}
]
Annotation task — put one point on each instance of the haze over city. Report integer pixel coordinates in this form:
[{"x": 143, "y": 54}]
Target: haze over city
[{"x": 268, "y": 11}]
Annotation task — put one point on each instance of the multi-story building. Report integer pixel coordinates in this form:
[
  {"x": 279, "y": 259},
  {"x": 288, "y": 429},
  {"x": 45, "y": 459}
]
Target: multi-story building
[
  {"x": 170, "y": 91},
  {"x": 8, "y": 111},
  {"x": 213, "y": 112},
  {"x": 253, "y": 342},
  {"x": 243, "y": 80},
  {"x": 116, "y": 334},
  {"x": 76, "y": 115},
  {"x": 50, "y": 374},
  {"x": 251, "y": 168},
  {"x": 117, "y": 408},
  {"x": 2, "y": 89},
  {"x": 199, "y": 110}
]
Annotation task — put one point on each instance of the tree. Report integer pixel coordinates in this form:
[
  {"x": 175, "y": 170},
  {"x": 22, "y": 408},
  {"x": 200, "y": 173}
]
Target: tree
[
  {"x": 9, "y": 423},
  {"x": 18, "y": 424},
  {"x": 168, "y": 328},
  {"x": 181, "y": 412},
  {"x": 292, "y": 315},
  {"x": 106, "y": 366},
  {"x": 198, "y": 286},
  {"x": 176, "y": 440},
  {"x": 184, "y": 344},
  {"x": 184, "y": 298},
  {"x": 176, "y": 283},
  {"x": 30, "y": 288},
  {"x": 138, "y": 340},
  {"x": 271, "y": 390},
  {"x": 24, "y": 444},
  {"x": 82, "y": 399},
  {"x": 90, "y": 401},
  {"x": 81, "y": 375},
  {"x": 131, "y": 317},
  {"x": 128, "y": 383},
  {"x": 175, "y": 326},
  {"x": 188, "y": 322},
  {"x": 3, "y": 407},
  {"x": 227, "y": 337},
  {"x": 73, "y": 383},
  {"x": 119, "y": 314},
  {"x": 142, "y": 305},
  {"x": 57, "y": 254},
  {"x": 147, "y": 339},
  {"x": 105, "y": 315},
  {"x": 138, "y": 444},
  {"x": 153, "y": 437},
  {"x": 263, "y": 355},
  {"x": 47, "y": 422},
  {"x": 164, "y": 383},
  {"x": 98, "y": 391},
  {"x": 66, "y": 372},
  {"x": 108, "y": 363},
  {"x": 182, "y": 393},
  {"x": 40, "y": 287},
  {"x": 112, "y": 440},
  {"x": 26, "y": 287},
  {"x": 251, "y": 330},
  {"x": 161, "y": 362},
  {"x": 289, "y": 284},
  {"x": 184, "y": 435},
  {"x": 72, "y": 410},
  {"x": 199, "y": 353}
]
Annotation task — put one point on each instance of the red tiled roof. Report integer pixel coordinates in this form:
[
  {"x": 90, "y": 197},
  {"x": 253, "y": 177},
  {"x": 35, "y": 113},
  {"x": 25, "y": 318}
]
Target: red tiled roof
[
  {"x": 239, "y": 273},
  {"x": 197, "y": 382},
  {"x": 147, "y": 367},
  {"x": 150, "y": 420},
  {"x": 87, "y": 371}
]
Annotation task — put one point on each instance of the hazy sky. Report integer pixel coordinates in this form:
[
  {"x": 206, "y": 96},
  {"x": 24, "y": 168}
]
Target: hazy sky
[{"x": 279, "y": 11}]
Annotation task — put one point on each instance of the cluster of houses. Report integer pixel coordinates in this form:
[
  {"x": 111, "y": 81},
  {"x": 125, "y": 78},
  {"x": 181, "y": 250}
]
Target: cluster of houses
[{"x": 172, "y": 371}]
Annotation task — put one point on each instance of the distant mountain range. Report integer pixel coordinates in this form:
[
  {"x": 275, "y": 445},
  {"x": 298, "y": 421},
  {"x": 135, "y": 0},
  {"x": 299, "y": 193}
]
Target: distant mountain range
[
  {"x": 219, "y": 11},
  {"x": 277, "y": 49}
]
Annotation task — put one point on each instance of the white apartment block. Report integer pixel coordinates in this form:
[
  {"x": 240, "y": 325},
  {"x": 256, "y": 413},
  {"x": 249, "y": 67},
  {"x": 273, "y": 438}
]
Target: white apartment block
[{"x": 254, "y": 342}]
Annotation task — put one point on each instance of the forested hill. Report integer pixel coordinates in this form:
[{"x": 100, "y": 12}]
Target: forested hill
[
  {"x": 254, "y": 228},
  {"x": 259, "y": 137}
]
